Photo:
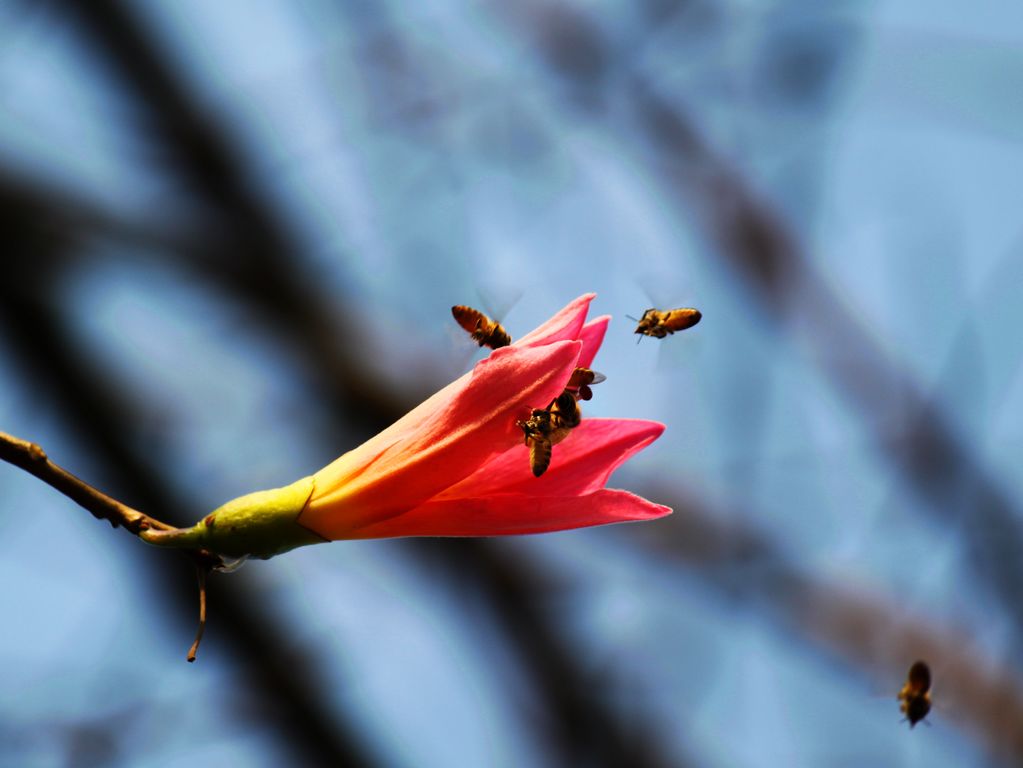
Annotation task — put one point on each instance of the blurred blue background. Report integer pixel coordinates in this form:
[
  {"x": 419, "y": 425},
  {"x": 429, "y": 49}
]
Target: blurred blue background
[{"x": 234, "y": 234}]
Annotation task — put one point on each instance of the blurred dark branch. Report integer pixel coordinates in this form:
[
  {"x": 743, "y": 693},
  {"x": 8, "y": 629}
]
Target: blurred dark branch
[
  {"x": 185, "y": 130},
  {"x": 254, "y": 251},
  {"x": 755, "y": 241},
  {"x": 78, "y": 220},
  {"x": 868, "y": 631}
]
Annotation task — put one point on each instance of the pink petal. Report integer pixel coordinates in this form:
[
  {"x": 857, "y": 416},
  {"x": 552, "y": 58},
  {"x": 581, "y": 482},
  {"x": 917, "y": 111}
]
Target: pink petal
[
  {"x": 403, "y": 427},
  {"x": 581, "y": 463},
  {"x": 508, "y": 514},
  {"x": 565, "y": 325},
  {"x": 592, "y": 336},
  {"x": 469, "y": 425}
]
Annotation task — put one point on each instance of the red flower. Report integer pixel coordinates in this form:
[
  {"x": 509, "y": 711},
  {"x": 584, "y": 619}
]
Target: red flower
[{"x": 456, "y": 465}]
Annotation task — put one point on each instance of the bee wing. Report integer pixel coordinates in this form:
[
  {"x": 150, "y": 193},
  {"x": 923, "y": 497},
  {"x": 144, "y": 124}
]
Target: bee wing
[{"x": 497, "y": 293}]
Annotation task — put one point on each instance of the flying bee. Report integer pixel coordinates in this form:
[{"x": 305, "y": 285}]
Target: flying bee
[
  {"x": 580, "y": 381},
  {"x": 915, "y": 698},
  {"x": 663, "y": 322},
  {"x": 484, "y": 331},
  {"x": 546, "y": 427}
]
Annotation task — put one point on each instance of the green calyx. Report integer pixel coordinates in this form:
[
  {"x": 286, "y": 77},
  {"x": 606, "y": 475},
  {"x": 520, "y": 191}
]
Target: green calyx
[{"x": 261, "y": 524}]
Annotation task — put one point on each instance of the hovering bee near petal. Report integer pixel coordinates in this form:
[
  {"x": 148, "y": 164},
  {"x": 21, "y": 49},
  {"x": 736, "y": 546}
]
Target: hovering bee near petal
[
  {"x": 546, "y": 427},
  {"x": 484, "y": 331},
  {"x": 915, "y": 698},
  {"x": 581, "y": 380},
  {"x": 663, "y": 322}
]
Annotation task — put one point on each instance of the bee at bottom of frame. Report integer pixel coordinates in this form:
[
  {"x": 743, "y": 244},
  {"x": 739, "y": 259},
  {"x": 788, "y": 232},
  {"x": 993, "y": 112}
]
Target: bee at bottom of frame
[
  {"x": 663, "y": 322},
  {"x": 484, "y": 331},
  {"x": 915, "y": 698}
]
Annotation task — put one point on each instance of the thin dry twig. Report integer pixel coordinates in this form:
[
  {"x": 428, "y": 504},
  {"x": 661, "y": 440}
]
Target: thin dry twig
[{"x": 33, "y": 459}]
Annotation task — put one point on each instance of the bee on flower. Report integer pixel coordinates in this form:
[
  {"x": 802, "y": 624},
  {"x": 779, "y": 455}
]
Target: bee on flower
[{"x": 546, "y": 427}]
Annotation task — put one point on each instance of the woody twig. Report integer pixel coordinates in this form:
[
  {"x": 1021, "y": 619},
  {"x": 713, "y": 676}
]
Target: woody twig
[{"x": 33, "y": 459}]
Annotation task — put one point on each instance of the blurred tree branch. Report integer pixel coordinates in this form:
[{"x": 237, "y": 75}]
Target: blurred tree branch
[{"x": 253, "y": 251}]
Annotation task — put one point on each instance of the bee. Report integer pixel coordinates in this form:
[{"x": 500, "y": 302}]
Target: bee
[
  {"x": 915, "y": 698},
  {"x": 546, "y": 427},
  {"x": 565, "y": 415},
  {"x": 538, "y": 430},
  {"x": 580, "y": 381},
  {"x": 484, "y": 331},
  {"x": 663, "y": 322}
]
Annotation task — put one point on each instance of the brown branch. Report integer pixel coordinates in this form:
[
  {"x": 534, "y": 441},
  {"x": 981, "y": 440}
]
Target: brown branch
[{"x": 31, "y": 458}]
